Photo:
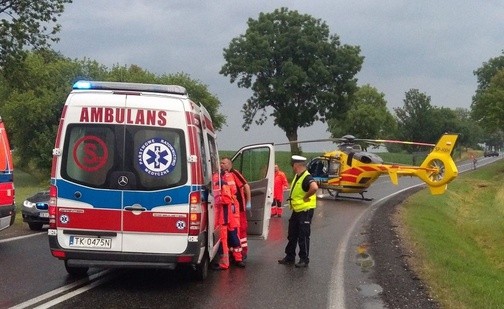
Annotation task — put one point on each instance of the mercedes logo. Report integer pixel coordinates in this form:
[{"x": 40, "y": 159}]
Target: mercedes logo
[{"x": 122, "y": 181}]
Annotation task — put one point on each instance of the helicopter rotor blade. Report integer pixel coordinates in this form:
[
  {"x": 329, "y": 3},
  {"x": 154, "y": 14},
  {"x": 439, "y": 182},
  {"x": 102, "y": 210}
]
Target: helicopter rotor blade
[
  {"x": 352, "y": 140},
  {"x": 384, "y": 141},
  {"x": 311, "y": 141}
]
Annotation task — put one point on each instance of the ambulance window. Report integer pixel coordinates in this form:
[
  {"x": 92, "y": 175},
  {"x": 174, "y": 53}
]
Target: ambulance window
[
  {"x": 159, "y": 159},
  {"x": 89, "y": 155}
]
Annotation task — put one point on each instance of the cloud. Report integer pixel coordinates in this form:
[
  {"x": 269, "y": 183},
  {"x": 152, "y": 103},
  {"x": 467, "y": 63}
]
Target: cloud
[{"x": 432, "y": 46}]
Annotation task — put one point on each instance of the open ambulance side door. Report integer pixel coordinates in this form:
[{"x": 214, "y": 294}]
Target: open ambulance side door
[{"x": 257, "y": 165}]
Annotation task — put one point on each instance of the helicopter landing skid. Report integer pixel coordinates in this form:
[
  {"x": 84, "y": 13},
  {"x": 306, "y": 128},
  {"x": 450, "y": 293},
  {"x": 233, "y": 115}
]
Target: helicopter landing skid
[{"x": 346, "y": 197}]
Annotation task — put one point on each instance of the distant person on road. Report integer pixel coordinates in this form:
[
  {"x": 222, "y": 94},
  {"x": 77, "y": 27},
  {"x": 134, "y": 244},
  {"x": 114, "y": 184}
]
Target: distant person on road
[
  {"x": 244, "y": 200},
  {"x": 303, "y": 201},
  {"x": 474, "y": 161},
  {"x": 281, "y": 184}
]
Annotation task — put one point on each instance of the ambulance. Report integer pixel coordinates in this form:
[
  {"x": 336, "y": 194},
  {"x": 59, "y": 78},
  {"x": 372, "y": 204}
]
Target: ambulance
[
  {"x": 7, "y": 204},
  {"x": 131, "y": 180}
]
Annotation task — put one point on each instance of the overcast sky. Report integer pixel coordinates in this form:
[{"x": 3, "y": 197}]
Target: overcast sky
[{"x": 433, "y": 46}]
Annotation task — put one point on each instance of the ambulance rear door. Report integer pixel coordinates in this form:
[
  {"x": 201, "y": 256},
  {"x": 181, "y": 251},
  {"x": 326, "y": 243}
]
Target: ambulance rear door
[
  {"x": 210, "y": 165},
  {"x": 257, "y": 165},
  {"x": 156, "y": 207}
]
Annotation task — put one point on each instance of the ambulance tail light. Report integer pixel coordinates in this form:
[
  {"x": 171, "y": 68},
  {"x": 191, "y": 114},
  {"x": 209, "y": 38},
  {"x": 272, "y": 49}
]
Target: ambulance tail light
[
  {"x": 195, "y": 213},
  {"x": 58, "y": 254},
  {"x": 53, "y": 210}
]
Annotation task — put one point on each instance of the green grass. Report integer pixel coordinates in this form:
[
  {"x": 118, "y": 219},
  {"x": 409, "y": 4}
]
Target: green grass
[{"x": 457, "y": 239}]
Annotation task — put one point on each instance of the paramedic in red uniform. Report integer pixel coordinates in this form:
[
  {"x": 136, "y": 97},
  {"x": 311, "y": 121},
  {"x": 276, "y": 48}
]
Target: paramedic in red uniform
[
  {"x": 243, "y": 196},
  {"x": 227, "y": 219},
  {"x": 281, "y": 184}
]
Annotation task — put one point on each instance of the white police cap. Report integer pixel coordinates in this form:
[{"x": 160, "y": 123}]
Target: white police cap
[{"x": 297, "y": 159}]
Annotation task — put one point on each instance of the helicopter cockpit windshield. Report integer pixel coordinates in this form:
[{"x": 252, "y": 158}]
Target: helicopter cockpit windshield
[{"x": 324, "y": 167}]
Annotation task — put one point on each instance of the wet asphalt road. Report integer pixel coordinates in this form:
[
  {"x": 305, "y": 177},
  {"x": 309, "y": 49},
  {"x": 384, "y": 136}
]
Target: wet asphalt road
[{"x": 337, "y": 276}]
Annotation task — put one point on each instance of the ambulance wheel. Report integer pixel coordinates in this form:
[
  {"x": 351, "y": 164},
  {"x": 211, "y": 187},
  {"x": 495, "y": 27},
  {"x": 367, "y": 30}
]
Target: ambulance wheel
[
  {"x": 201, "y": 271},
  {"x": 76, "y": 271}
]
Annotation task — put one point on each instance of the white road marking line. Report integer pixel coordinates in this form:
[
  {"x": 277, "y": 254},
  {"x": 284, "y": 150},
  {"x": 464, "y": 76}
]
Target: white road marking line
[
  {"x": 60, "y": 290},
  {"x": 20, "y": 237}
]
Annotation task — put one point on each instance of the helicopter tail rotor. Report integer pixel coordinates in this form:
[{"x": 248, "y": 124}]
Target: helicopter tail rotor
[{"x": 439, "y": 169}]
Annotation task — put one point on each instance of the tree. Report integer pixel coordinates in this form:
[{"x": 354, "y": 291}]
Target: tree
[
  {"x": 27, "y": 23},
  {"x": 488, "y": 71},
  {"x": 198, "y": 92},
  {"x": 488, "y": 106},
  {"x": 414, "y": 119},
  {"x": 32, "y": 108},
  {"x": 294, "y": 67},
  {"x": 470, "y": 131},
  {"x": 368, "y": 116}
]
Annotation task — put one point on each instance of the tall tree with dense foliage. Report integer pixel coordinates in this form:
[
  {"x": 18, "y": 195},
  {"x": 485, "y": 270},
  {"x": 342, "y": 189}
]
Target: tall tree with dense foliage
[
  {"x": 28, "y": 24},
  {"x": 295, "y": 68},
  {"x": 487, "y": 71},
  {"x": 414, "y": 119},
  {"x": 488, "y": 107},
  {"x": 368, "y": 116}
]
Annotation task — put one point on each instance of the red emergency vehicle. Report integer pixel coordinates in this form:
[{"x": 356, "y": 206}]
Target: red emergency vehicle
[{"x": 7, "y": 204}]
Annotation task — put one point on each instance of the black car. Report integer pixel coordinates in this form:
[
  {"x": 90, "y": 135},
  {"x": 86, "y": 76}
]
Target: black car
[
  {"x": 489, "y": 153},
  {"x": 35, "y": 210}
]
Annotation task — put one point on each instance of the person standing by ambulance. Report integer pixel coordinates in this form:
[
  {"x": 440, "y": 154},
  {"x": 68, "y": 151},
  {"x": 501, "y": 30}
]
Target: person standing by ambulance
[
  {"x": 227, "y": 219},
  {"x": 244, "y": 200},
  {"x": 280, "y": 185},
  {"x": 303, "y": 201}
]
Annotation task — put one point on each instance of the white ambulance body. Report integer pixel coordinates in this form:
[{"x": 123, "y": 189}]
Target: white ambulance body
[{"x": 131, "y": 182}]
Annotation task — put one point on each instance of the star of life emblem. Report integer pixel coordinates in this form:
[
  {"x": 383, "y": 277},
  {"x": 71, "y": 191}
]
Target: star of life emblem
[{"x": 157, "y": 157}]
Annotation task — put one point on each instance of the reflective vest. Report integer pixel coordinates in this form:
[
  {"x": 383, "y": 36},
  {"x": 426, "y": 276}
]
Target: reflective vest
[
  {"x": 297, "y": 194},
  {"x": 227, "y": 209}
]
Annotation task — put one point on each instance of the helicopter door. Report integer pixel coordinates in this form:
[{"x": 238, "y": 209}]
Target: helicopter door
[{"x": 257, "y": 165}]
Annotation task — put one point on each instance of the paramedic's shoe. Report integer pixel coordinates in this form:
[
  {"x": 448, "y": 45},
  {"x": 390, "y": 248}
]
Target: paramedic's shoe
[
  {"x": 273, "y": 211},
  {"x": 286, "y": 261},
  {"x": 301, "y": 264},
  {"x": 218, "y": 267},
  {"x": 240, "y": 264}
]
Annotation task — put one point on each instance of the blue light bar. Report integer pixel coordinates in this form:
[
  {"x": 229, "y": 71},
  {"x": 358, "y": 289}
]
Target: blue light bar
[
  {"x": 158, "y": 88},
  {"x": 82, "y": 84}
]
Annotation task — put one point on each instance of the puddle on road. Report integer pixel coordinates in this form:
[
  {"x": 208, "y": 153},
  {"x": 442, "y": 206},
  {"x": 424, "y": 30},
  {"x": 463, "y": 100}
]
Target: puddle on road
[
  {"x": 364, "y": 259},
  {"x": 370, "y": 290}
]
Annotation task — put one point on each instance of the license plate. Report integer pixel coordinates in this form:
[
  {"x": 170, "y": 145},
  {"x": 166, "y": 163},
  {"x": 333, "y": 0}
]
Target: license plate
[
  {"x": 44, "y": 215},
  {"x": 90, "y": 242}
]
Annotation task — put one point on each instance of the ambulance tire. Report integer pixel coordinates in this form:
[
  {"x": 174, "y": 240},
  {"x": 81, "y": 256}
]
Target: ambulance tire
[
  {"x": 76, "y": 271},
  {"x": 201, "y": 270}
]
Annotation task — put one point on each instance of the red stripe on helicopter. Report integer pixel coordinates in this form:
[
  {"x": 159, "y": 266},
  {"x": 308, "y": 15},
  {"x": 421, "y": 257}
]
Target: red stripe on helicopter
[
  {"x": 349, "y": 178},
  {"x": 352, "y": 171},
  {"x": 369, "y": 168}
]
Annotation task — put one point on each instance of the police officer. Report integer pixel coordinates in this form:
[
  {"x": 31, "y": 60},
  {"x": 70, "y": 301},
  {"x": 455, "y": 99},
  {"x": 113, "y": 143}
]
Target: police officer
[{"x": 303, "y": 201}]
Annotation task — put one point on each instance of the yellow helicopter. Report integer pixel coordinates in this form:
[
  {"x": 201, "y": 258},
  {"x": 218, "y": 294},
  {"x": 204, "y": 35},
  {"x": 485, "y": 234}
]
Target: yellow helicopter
[{"x": 349, "y": 169}]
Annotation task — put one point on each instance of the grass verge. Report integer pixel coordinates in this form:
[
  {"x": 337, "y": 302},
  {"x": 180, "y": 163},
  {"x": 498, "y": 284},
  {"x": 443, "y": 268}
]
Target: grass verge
[{"x": 457, "y": 239}]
